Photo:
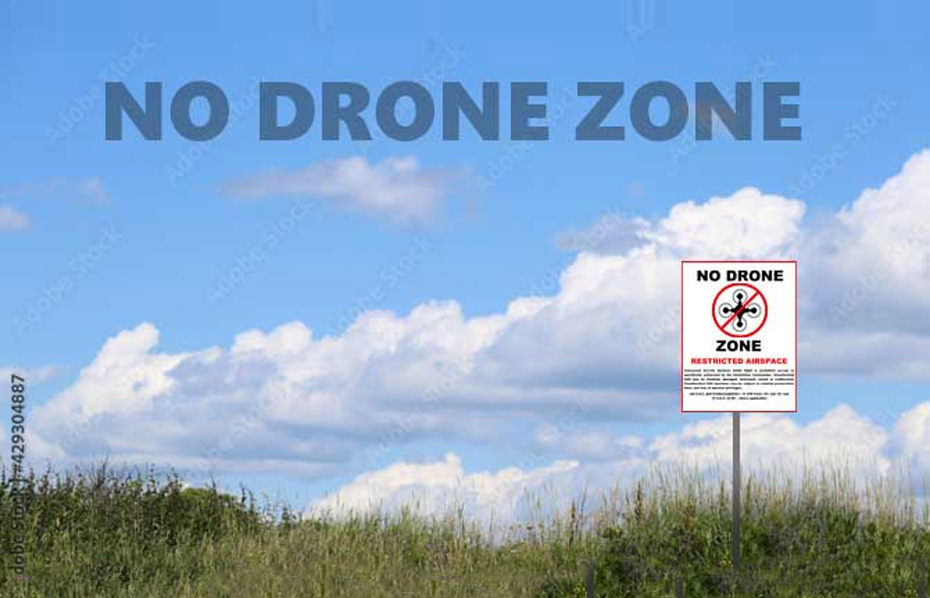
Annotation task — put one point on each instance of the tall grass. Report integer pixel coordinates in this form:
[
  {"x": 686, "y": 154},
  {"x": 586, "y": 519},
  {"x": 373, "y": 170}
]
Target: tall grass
[
  {"x": 102, "y": 532},
  {"x": 817, "y": 534}
]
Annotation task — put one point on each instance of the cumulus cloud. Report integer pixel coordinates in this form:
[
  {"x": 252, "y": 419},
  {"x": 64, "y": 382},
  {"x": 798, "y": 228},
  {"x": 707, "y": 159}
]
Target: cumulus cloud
[
  {"x": 596, "y": 444},
  {"x": 864, "y": 270},
  {"x": 911, "y": 435},
  {"x": 11, "y": 220},
  {"x": 747, "y": 224},
  {"x": 397, "y": 189},
  {"x": 437, "y": 487},
  {"x": 603, "y": 346},
  {"x": 871, "y": 260},
  {"x": 124, "y": 378},
  {"x": 841, "y": 439}
]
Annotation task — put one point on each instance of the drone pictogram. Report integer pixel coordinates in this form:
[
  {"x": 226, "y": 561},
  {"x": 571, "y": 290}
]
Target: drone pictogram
[{"x": 740, "y": 310}]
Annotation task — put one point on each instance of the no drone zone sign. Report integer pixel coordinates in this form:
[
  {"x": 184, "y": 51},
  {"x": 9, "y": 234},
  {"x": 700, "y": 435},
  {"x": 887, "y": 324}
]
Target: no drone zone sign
[{"x": 739, "y": 336}]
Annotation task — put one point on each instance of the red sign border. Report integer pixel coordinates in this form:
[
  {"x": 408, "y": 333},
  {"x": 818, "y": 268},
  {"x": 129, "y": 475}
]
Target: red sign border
[{"x": 681, "y": 332}]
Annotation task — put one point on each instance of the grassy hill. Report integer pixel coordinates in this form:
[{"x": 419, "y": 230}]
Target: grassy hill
[{"x": 105, "y": 533}]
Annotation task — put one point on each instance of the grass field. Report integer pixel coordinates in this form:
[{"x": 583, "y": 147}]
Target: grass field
[{"x": 104, "y": 533}]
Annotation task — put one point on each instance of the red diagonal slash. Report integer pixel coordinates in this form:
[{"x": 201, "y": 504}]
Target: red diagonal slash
[{"x": 745, "y": 305}]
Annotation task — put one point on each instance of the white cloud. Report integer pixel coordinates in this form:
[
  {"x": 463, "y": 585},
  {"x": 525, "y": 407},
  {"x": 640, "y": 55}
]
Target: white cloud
[
  {"x": 747, "y": 224},
  {"x": 871, "y": 260},
  {"x": 584, "y": 443},
  {"x": 604, "y": 346},
  {"x": 125, "y": 378},
  {"x": 12, "y": 220},
  {"x": 912, "y": 438},
  {"x": 398, "y": 189},
  {"x": 438, "y": 487},
  {"x": 842, "y": 441},
  {"x": 840, "y": 438}
]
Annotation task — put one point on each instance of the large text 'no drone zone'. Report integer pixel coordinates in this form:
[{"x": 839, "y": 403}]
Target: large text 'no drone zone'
[{"x": 406, "y": 111}]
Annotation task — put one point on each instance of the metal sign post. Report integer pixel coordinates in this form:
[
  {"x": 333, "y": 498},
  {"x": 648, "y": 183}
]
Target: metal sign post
[{"x": 736, "y": 495}]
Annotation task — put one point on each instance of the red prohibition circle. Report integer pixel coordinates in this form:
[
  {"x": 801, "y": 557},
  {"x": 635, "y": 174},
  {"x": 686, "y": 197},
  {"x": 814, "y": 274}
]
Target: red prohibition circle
[{"x": 765, "y": 304}]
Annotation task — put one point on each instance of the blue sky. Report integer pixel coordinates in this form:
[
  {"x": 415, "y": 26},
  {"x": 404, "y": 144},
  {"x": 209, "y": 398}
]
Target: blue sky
[{"x": 172, "y": 238}]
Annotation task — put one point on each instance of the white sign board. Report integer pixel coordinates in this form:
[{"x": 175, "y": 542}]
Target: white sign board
[{"x": 739, "y": 331}]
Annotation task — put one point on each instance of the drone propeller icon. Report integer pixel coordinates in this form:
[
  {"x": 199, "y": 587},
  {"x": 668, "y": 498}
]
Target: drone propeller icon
[{"x": 740, "y": 310}]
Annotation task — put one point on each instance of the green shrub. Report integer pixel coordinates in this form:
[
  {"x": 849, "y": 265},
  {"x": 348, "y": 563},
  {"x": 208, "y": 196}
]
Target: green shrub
[{"x": 136, "y": 534}]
